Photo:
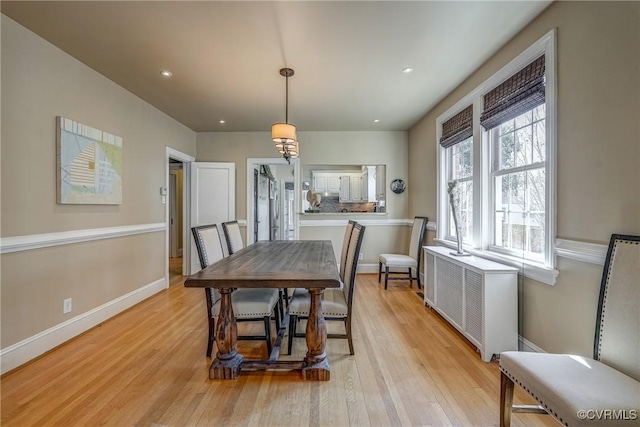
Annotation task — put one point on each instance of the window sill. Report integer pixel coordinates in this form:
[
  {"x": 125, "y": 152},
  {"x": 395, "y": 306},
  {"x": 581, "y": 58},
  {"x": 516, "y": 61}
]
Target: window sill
[{"x": 529, "y": 269}]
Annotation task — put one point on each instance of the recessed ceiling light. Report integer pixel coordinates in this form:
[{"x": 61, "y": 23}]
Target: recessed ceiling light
[
  {"x": 166, "y": 73},
  {"x": 407, "y": 70},
  {"x": 376, "y": 121},
  {"x": 222, "y": 122}
]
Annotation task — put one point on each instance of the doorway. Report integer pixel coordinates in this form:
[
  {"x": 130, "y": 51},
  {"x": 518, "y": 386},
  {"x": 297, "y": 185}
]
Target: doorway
[
  {"x": 176, "y": 219},
  {"x": 271, "y": 199},
  {"x": 176, "y": 199}
]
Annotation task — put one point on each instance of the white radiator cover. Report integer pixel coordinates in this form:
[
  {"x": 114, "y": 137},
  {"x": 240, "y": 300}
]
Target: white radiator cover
[{"x": 477, "y": 296}]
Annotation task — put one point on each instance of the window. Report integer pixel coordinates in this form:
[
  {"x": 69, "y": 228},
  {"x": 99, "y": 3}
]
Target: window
[
  {"x": 457, "y": 140},
  {"x": 518, "y": 185},
  {"x": 503, "y": 164},
  {"x": 460, "y": 161}
]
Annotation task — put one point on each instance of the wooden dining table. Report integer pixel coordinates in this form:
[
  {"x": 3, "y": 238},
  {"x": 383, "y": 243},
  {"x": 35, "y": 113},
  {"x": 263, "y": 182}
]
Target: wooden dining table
[{"x": 309, "y": 264}]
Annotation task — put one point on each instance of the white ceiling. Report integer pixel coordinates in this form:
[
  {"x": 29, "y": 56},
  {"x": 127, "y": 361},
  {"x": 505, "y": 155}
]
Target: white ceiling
[{"x": 348, "y": 56}]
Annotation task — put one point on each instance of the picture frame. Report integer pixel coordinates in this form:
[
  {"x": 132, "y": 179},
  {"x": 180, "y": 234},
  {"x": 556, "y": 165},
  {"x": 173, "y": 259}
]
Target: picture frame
[{"x": 88, "y": 165}]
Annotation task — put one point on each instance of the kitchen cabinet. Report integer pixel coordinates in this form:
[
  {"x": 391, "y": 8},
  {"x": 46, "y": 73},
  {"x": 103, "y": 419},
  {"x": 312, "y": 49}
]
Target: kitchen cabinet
[
  {"x": 326, "y": 182},
  {"x": 345, "y": 187},
  {"x": 319, "y": 183},
  {"x": 355, "y": 188},
  {"x": 333, "y": 183},
  {"x": 351, "y": 186}
]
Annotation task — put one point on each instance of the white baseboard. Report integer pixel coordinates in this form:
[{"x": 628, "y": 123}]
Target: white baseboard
[
  {"x": 20, "y": 353},
  {"x": 367, "y": 268},
  {"x": 526, "y": 345}
]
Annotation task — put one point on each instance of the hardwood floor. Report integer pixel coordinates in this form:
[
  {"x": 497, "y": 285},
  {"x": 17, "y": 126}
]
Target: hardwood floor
[{"x": 147, "y": 367}]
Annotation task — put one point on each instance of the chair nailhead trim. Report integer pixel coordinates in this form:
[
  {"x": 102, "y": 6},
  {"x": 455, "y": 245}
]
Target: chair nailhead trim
[
  {"x": 239, "y": 316},
  {"x": 546, "y": 408}
]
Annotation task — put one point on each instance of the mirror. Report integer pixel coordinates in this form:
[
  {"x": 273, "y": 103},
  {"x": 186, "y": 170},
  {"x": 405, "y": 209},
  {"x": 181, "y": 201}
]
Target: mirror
[{"x": 343, "y": 188}]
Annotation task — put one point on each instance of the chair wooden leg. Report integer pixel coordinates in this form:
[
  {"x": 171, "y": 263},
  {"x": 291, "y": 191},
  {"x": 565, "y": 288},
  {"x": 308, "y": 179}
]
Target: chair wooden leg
[
  {"x": 410, "y": 278},
  {"x": 293, "y": 320},
  {"x": 347, "y": 324},
  {"x": 212, "y": 336},
  {"x": 418, "y": 278},
  {"x": 267, "y": 333},
  {"x": 386, "y": 276},
  {"x": 379, "y": 270},
  {"x": 506, "y": 399}
]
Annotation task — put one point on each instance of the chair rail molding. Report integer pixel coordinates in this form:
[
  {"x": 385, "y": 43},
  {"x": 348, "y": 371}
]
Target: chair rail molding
[
  {"x": 581, "y": 251},
  {"x": 367, "y": 222},
  {"x": 37, "y": 241}
]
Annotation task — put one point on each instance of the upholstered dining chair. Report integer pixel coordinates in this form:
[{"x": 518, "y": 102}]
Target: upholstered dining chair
[
  {"x": 345, "y": 247},
  {"x": 232, "y": 235},
  {"x": 337, "y": 303},
  {"x": 248, "y": 304},
  {"x": 581, "y": 391},
  {"x": 411, "y": 262},
  {"x": 234, "y": 240}
]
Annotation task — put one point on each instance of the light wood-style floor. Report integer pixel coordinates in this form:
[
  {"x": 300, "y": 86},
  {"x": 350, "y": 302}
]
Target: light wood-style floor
[{"x": 147, "y": 367}]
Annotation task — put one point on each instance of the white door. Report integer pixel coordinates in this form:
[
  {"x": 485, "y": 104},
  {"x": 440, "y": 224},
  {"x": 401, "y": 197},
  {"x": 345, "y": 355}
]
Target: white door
[{"x": 213, "y": 199}]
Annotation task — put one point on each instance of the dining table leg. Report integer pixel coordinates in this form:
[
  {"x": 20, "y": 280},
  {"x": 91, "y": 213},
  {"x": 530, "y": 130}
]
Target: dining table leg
[
  {"x": 316, "y": 362},
  {"x": 226, "y": 365}
]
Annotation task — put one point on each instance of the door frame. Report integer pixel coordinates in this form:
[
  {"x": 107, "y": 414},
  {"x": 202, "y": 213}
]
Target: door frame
[
  {"x": 254, "y": 162},
  {"x": 186, "y": 160}
]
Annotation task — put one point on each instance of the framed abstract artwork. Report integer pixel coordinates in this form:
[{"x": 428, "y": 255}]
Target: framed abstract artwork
[{"x": 89, "y": 165}]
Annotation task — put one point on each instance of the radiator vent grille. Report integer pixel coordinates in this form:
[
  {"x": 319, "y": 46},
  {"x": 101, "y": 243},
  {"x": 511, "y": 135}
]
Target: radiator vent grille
[
  {"x": 430, "y": 285},
  {"x": 474, "y": 297},
  {"x": 450, "y": 289}
]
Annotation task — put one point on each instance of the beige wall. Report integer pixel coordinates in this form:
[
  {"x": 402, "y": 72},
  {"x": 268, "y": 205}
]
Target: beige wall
[
  {"x": 335, "y": 148},
  {"x": 598, "y": 178},
  {"x": 378, "y": 239},
  {"x": 40, "y": 82},
  {"x": 339, "y": 148}
]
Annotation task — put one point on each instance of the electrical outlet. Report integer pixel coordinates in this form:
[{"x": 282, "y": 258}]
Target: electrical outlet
[
  {"x": 66, "y": 306},
  {"x": 361, "y": 256}
]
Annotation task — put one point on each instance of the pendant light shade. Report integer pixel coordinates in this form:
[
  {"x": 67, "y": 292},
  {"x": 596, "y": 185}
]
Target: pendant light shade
[{"x": 284, "y": 134}]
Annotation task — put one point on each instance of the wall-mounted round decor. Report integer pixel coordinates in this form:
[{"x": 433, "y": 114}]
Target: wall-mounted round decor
[{"x": 398, "y": 186}]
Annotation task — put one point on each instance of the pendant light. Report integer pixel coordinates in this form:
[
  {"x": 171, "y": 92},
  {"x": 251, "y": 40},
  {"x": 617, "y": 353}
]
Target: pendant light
[{"x": 284, "y": 134}]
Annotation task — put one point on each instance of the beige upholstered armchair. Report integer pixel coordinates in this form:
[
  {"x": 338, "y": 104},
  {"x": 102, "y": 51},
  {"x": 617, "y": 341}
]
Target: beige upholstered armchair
[{"x": 580, "y": 391}]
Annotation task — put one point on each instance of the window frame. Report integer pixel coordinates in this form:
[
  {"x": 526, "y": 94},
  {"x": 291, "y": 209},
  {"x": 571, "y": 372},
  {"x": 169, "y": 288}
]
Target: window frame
[
  {"x": 483, "y": 216},
  {"x": 448, "y": 153}
]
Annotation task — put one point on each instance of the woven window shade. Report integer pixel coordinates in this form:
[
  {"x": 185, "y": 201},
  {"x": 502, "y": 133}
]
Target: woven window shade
[
  {"x": 457, "y": 128},
  {"x": 518, "y": 94}
]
